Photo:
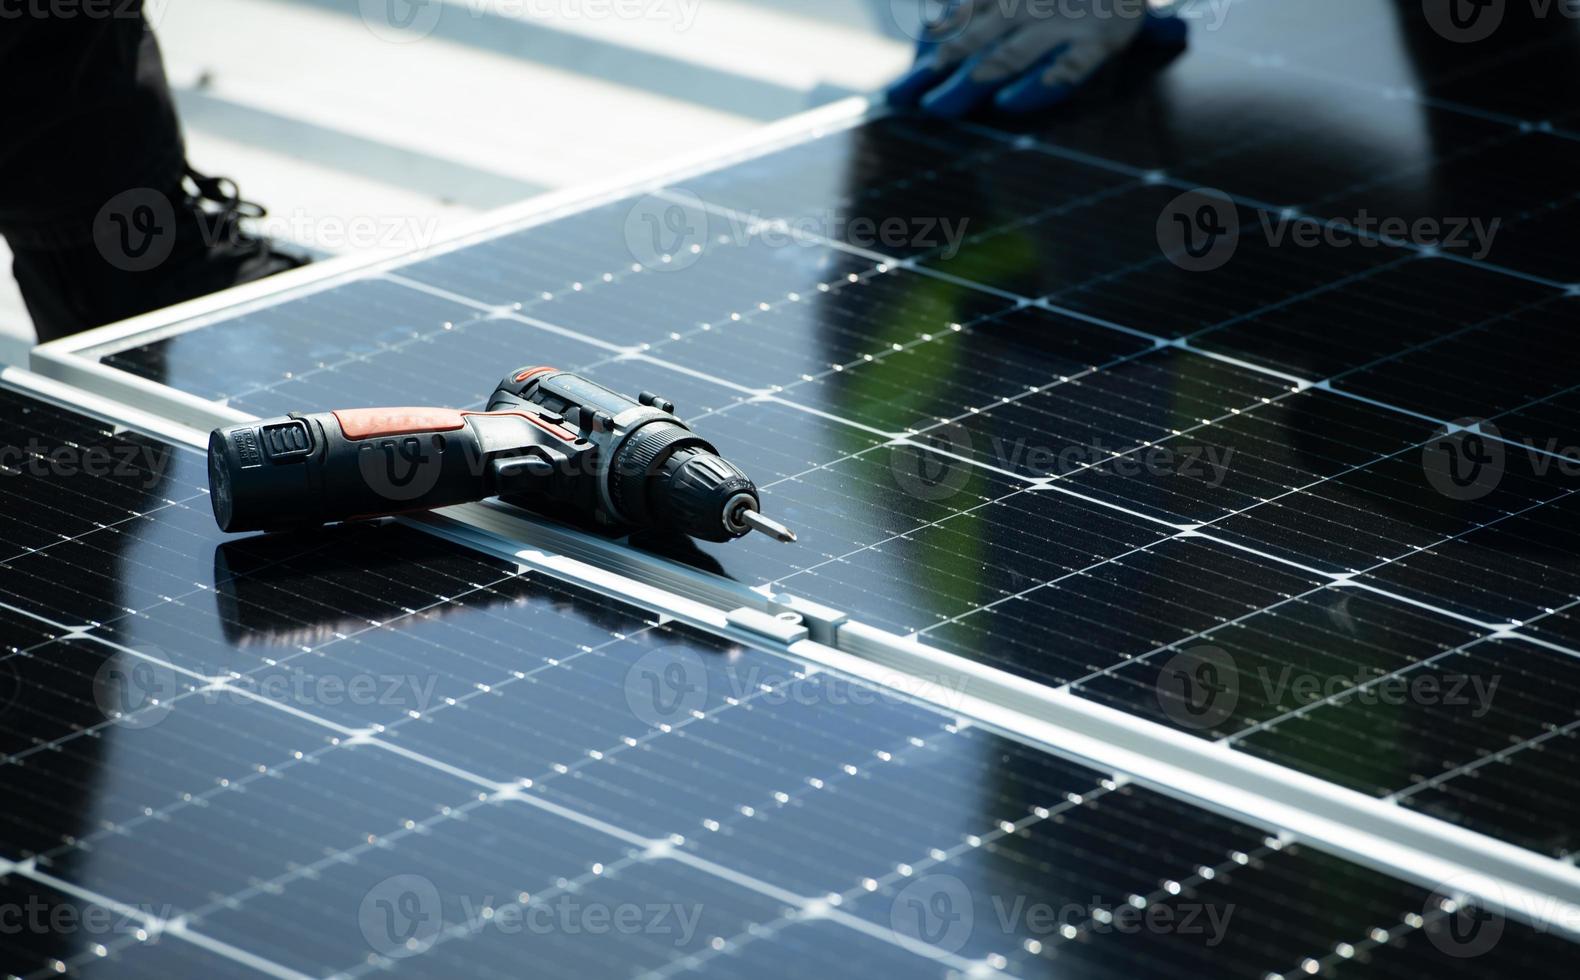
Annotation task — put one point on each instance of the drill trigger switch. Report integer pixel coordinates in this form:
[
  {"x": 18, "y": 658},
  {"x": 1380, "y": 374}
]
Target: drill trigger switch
[{"x": 522, "y": 467}]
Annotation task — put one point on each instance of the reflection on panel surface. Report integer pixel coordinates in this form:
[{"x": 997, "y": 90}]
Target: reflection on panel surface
[
  {"x": 364, "y": 748},
  {"x": 1310, "y": 493},
  {"x": 1066, "y": 456}
]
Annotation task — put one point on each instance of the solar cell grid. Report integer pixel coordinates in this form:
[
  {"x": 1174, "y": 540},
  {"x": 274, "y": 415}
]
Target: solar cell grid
[
  {"x": 834, "y": 329},
  {"x": 1534, "y": 694},
  {"x": 1500, "y": 366},
  {"x": 624, "y": 293},
  {"x": 1310, "y": 479},
  {"x": 889, "y": 395},
  {"x": 1200, "y": 108},
  {"x": 1347, "y": 150},
  {"x": 267, "y": 816},
  {"x": 1101, "y": 617},
  {"x": 1507, "y": 181},
  {"x": 1104, "y": 260},
  {"x": 107, "y": 944},
  {"x": 1509, "y": 801},
  {"x": 1382, "y": 513},
  {"x": 305, "y": 346},
  {"x": 1512, "y": 571},
  {"x": 812, "y": 177},
  {"x": 1389, "y": 309},
  {"x": 1247, "y": 458}
]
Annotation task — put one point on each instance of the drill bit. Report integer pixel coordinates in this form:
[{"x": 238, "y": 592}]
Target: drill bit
[{"x": 773, "y": 529}]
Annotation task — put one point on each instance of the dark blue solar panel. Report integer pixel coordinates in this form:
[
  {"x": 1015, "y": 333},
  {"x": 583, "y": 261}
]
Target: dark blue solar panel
[{"x": 1010, "y": 411}]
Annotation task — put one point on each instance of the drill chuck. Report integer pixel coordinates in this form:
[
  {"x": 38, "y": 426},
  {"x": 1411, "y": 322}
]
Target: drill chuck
[
  {"x": 701, "y": 494},
  {"x": 665, "y": 475}
]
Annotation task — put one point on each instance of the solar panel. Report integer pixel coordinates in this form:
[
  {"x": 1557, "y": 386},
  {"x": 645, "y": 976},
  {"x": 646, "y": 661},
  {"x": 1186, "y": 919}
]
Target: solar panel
[
  {"x": 842, "y": 353},
  {"x": 1307, "y": 499},
  {"x": 1328, "y": 458},
  {"x": 236, "y": 776}
]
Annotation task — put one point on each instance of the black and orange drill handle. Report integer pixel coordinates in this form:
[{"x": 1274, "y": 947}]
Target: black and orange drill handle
[
  {"x": 310, "y": 469},
  {"x": 548, "y": 437}
]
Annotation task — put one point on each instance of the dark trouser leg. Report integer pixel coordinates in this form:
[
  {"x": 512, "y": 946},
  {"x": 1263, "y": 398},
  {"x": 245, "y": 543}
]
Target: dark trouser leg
[{"x": 88, "y": 121}]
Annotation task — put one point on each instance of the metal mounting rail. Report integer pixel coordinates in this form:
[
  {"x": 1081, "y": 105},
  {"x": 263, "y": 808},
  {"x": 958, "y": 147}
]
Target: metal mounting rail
[{"x": 1430, "y": 852}]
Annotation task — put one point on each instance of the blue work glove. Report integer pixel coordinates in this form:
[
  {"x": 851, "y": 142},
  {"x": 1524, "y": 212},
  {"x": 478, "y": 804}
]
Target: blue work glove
[{"x": 1024, "y": 55}]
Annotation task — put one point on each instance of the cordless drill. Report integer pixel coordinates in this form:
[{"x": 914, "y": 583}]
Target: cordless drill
[{"x": 549, "y": 439}]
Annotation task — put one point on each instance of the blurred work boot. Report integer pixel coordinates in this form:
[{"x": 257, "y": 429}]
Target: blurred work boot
[{"x": 148, "y": 249}]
